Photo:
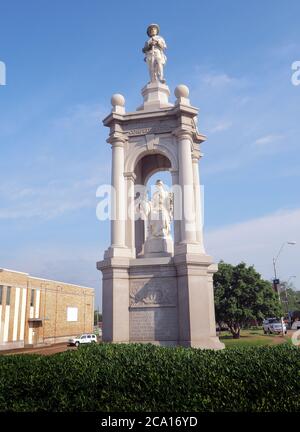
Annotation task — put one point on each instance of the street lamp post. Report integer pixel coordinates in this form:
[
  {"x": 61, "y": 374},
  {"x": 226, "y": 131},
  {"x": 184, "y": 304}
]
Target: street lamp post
[
  {"x": 276, "y": 281},
  {"x": 291, "y": 243}
]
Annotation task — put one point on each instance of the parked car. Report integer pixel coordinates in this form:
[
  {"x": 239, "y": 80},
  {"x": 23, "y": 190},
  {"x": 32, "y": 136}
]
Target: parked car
[
  {"x": 221, "y": 327},
  {"x": 296, "y": 325},
  {"x": 83, "y": 339},
  {"x": 274, "y": 325}
]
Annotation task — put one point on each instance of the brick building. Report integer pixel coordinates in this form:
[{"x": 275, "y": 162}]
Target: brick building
[{"x": 36, "y": 311}]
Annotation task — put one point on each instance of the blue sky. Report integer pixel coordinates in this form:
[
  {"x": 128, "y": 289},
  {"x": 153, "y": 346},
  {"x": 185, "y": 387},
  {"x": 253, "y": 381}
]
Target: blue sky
[{"x": 66, "y": 58}]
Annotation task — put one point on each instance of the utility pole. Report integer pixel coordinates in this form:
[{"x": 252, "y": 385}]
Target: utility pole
[{"x": 276, "y": 281}]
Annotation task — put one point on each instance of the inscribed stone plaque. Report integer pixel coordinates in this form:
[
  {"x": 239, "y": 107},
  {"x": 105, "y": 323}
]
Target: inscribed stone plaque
[{"x": 156, "y": 323}]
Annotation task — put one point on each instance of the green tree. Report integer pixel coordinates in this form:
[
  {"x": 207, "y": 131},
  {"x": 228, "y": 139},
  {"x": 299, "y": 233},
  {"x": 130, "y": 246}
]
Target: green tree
[
  {"x": 97, "y": 317},
  {"x": 241, "y": 296},
  {"x": 289, "y": 297}
]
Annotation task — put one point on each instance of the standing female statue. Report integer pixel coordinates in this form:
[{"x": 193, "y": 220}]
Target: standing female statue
[{"x": 158, "y": 212}]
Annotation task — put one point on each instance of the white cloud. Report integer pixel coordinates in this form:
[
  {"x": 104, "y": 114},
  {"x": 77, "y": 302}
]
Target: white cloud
[
  {"x": 248, "y": 101},
  {"x": 79, "y": 116},
  {"x": 50, "y": 200},
  {"x": 220, "y": 126},
  {"x": 268, "y": 139},
  {"x": 58, "y": 181},
  {"x": 256, "y": 242},
  {"x": 222, "y": 165},
  {"x": 267, "y": 145},
  {"x": 217, "y": 80}
]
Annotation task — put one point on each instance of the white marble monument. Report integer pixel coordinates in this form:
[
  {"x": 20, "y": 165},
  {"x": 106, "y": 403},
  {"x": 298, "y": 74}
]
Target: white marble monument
[{"x": 156, "y": 288}]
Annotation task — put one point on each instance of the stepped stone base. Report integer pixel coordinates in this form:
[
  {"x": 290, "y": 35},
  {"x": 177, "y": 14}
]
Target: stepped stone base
[{"x": 165, "y": 301}]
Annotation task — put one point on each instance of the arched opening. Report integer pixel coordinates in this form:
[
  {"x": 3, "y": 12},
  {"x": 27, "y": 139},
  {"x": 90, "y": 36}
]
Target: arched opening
[
  {"x": 150, "y": 168},
  {"x": 150, "y": 164}
]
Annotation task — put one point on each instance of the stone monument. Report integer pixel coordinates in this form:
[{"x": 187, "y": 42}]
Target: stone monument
[{"x": 156, "y": 288}]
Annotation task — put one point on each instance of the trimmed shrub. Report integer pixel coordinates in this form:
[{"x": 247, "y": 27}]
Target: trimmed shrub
[{"x": 136, "y": 377}]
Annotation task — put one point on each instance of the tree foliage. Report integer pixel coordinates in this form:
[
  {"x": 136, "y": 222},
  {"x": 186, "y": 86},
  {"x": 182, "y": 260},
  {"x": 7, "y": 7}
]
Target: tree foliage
[
  {"x": 290, "y": 297},
  {"x": 242, "y": 296},
  {"x": 97, "y": 317}
]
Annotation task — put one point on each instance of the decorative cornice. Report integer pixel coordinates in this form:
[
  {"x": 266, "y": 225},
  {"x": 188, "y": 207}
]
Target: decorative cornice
[
  {"x": 196, "y": 155},
  {"x": 130, "y": 175},
  {"x": 185, "y": 109},
  {"x": 117, "y": 139},
  {"x": 113, "y": 117},
  {"x": 183, "y": 133}
]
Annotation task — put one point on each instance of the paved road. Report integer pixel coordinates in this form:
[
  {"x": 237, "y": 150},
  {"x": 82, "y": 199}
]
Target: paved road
[{"x": 47, "y": 350}]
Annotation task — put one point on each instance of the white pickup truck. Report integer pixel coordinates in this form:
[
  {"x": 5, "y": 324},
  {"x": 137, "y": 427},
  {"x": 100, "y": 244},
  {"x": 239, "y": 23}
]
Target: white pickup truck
[{"x": 273, "y": 325}]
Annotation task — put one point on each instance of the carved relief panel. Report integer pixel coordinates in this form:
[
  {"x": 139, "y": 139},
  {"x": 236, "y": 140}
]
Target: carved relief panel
[{"x": 153, "y": 292}]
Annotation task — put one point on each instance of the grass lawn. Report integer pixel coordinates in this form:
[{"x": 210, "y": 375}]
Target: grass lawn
[{"x": 253, "y": 338}]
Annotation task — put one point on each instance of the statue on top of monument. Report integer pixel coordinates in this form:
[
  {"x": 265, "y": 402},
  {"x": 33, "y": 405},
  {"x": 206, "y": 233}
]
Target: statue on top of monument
[
  {"x": 158, "y": 212},
  {"x": 154, "y": 54}
]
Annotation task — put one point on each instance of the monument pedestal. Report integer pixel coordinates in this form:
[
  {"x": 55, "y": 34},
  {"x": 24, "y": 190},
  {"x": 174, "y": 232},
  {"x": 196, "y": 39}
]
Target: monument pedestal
[
  {"x": 156, "y": 96},
  {"x": 166, "y": 301},
  {"x": 153, "y": 305},
  {"x": 158, "y": 247}
]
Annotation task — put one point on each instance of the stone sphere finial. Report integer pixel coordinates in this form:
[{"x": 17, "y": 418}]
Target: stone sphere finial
[
  {"x": 117, "y": 100},
  {"x": 182, "y": 91}
]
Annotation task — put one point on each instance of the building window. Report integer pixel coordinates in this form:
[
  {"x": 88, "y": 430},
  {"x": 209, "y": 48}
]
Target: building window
[
  {"x": 72, "y": 313},
  {"x": 8, "y": 290},
  {"x": 32, "y": 298},
  {"x": 1, "y": 294}
]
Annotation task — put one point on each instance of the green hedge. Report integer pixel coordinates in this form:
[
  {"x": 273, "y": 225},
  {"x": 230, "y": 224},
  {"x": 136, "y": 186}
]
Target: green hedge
[{"x": 109, "y": 377}]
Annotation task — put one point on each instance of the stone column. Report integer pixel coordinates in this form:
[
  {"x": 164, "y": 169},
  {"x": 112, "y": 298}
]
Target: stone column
[
  {"x": 177, "y": 205},
  {"x": 118, "y": 207},
  {"x": 198, "y": 203},
  {"x": 130, "y": 221},
  {"x": 186, "y": 181}
]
